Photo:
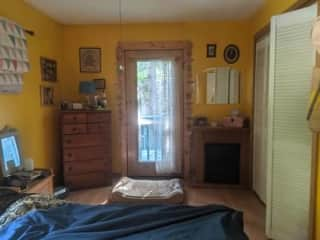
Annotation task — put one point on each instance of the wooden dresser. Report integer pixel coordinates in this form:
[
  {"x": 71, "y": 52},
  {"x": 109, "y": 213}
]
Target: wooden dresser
[{"x": 86, "y": 148}]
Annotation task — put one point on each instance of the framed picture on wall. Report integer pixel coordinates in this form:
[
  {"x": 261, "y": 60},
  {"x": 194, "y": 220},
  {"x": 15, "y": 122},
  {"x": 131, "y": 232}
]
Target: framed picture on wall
[
  {"x": 231, "y": 53},
  {"x": 211, "y": 50},
  {"x": 48, "y": 69},
  {"x": 47, "y": 95},
  {"x": 100, "y": 83},
  {"x": 90, "y": 60}
]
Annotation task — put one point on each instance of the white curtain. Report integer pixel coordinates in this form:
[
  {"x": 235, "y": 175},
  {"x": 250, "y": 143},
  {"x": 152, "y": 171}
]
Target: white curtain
[{"x": 159, "y": 115}]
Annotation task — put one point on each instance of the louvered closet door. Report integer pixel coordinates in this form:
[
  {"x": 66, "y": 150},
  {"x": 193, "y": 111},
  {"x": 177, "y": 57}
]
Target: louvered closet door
[
  {"x": 289, "y": 138},
  {"x": 260, "y": 117}
]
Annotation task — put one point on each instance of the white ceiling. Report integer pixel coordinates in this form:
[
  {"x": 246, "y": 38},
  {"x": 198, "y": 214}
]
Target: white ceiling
[{"x": 107, "y": 11}]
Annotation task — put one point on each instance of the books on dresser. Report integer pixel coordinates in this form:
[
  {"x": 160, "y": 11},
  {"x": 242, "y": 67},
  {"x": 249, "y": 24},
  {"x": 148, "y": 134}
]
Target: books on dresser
[{"x": 86, "y": 148}]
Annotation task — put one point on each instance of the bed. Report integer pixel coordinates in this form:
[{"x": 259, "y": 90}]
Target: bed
[
  {"x": 129, "y": 190},
  {"x": 43, "y": 217}
]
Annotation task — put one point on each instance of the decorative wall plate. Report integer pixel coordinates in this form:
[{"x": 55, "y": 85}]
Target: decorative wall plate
[{"x": 231, "y": 54}]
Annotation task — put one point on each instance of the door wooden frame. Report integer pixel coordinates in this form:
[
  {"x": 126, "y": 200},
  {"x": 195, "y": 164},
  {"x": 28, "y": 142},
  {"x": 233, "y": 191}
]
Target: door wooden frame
[
  {"x": 186, "y": 47},
  {"x": 315, "y": 138}
]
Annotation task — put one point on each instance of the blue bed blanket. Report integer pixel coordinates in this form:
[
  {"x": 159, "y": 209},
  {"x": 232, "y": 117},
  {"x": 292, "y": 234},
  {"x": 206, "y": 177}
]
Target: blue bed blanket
[{"x": 74, "y": 221}]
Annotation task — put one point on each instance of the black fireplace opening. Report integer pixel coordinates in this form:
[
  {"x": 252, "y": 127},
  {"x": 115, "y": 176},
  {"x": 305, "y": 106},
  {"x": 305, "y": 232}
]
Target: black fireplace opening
[{"x": 222, "y": 163}]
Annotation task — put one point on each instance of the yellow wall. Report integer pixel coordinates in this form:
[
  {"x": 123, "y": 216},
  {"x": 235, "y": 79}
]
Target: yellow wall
[
  {"x": 107, "y": 36},
  {"x": 259, "y": 20},
  {"x": 37, "y": 125},
  {"x": 269, "y": 9}
]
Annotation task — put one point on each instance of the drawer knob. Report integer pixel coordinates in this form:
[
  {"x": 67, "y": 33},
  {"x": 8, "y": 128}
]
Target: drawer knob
[
  {"x": 69, "y": 155},
  {"x": 74, "y": 129},
  {"x": 74, "y": 118},
  {"x": 68, "y": 141},
  {"x": 69, "y": 169}
]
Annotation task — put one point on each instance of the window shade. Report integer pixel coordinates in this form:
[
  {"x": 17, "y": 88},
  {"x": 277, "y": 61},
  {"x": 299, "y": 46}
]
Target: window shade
[{"x": 13, "y": 56}]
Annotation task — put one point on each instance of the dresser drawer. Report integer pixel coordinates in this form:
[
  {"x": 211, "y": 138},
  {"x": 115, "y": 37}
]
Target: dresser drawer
[
  {"x": 98, "y": 128},
  {"x": 74, "y": 118},
  {"x": 75, "y": 128},
  {"x": 80, "y": 154},
  {"x": 93, "y": 179},
  {"x": 81, "y": 167},
  {"x": 99, "y": 117},
  {"x": 84, "y": 140}
]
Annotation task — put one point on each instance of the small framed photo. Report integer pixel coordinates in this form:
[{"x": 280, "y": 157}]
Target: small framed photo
[
  {"x": 100, "y": 83},
  {"x": 48, "y": 69},
  {"x": 211, "y": 50},
  {"x": 90, "y": 60},
  {"x": 47, "y": 95}
]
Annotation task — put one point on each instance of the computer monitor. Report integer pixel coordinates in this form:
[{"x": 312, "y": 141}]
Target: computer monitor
[{"x": 10, "y": 154}]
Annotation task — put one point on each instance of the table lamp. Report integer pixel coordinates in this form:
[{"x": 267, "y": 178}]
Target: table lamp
[{"x": 88, "y": 88}]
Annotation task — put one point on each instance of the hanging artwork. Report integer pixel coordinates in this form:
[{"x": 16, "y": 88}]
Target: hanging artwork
[
  {"x": 100, "y": 83},
  {"x": 48, "y": 69},
  {"x": 47, "y": 95},
  {"x": 10, "y": 83},
  {"x": 211, "y": 50},
  {"x": 231, "y": 54},
  {"x": 13, "y": 56},
  {"x": 90, "y": 60}
]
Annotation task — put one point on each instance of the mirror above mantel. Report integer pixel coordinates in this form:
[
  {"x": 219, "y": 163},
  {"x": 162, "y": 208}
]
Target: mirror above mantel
[{"x": 223, "y": 85}]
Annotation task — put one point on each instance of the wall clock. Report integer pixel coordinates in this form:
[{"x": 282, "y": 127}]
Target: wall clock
[{"x": 231, "y": 54}]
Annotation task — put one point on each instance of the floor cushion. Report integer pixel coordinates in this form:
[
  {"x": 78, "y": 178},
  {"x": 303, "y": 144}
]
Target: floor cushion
[{"x": 129, "y": 190}]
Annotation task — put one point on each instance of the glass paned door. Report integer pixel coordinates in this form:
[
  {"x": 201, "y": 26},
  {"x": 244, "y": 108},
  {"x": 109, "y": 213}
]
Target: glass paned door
[
  {"x": 156, "y": 114},
  {"x": 155, "y": 105}
]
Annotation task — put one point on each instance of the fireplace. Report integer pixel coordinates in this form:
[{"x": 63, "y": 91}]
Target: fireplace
[
  {"x": 222, "y": 163},
  {"x": 220, "y": 157}
]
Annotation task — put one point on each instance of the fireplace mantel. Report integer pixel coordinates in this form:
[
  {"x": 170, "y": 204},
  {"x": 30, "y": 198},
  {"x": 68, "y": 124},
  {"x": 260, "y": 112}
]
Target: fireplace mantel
[{"x": 220, "y": 135}]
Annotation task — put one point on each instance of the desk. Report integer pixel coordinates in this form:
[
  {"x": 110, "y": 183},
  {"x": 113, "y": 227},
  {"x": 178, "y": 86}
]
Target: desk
[{"x": 41, "y": 185}]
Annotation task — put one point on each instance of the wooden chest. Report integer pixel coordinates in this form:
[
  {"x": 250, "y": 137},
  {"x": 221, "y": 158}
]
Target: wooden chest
[{"x": 86, "y": 148}]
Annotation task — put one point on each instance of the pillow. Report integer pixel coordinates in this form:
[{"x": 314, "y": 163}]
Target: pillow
[{"x": 129, "y": 190}]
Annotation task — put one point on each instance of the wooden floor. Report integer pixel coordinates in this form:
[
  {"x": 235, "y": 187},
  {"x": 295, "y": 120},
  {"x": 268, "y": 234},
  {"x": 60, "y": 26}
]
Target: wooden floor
[{"x": 243, "y": 200}]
